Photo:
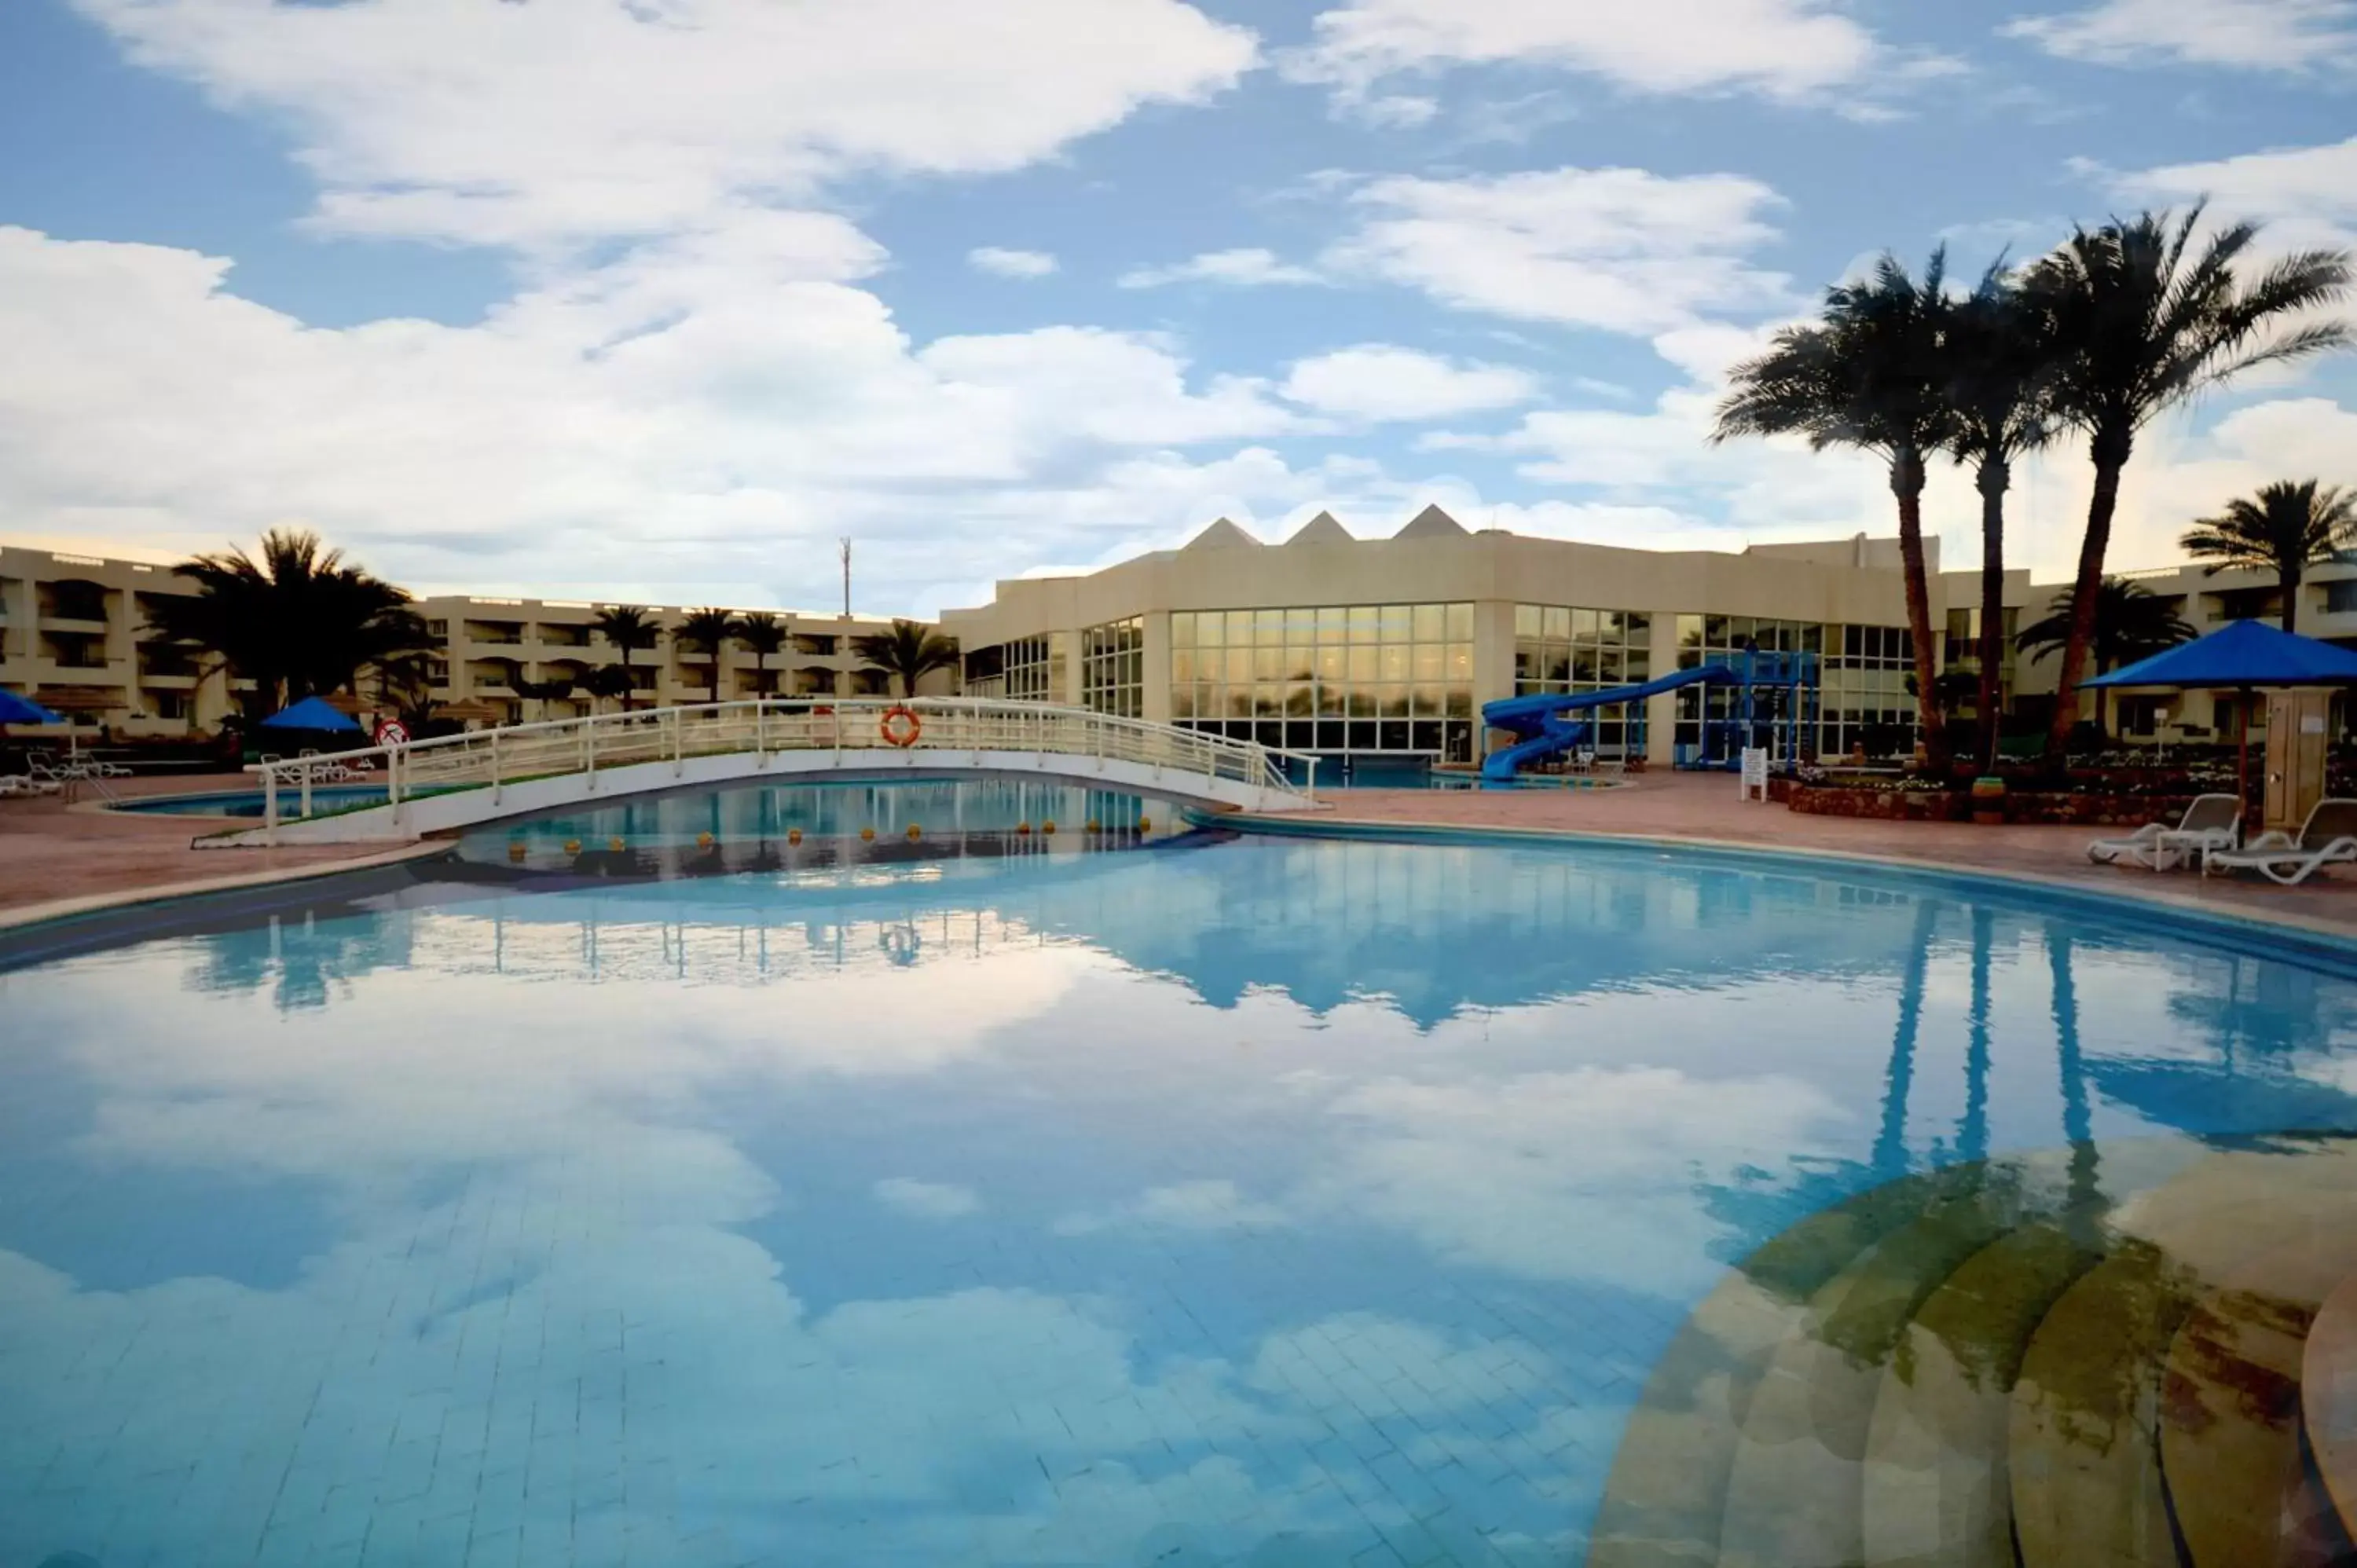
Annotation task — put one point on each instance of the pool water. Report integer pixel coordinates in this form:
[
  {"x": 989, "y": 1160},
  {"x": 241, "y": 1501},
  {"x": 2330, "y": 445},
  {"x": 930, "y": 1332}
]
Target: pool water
[
  {"x": 1267, "y": 1200},
  {"x": 251, "y": 802}
]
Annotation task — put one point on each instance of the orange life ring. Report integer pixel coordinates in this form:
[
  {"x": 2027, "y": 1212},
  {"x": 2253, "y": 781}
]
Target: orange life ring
[{"x": 901, "y": 727}]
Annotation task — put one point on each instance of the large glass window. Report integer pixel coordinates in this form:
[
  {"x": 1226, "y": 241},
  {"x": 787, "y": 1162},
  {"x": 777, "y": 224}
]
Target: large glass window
[
  {"x": 1866, "y": 702},
  {"x": 1837, "y": 686},
  {"x": 1564, "y": 649},
  {"x": 1329, "y": 678},
  {"x": 1113, "y": 668},
  {"x": 1035, "y": 667}
]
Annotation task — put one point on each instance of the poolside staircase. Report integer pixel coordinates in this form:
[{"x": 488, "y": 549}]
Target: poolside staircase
[{"x": 2111, "y": 1356}]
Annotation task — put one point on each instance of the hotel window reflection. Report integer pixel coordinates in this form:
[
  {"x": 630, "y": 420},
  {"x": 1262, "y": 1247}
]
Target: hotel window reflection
[
  {"x": 1328, "y": 678},
  {"x": 1567, "y": 649},
  {"x": 1113, "y": 668}
]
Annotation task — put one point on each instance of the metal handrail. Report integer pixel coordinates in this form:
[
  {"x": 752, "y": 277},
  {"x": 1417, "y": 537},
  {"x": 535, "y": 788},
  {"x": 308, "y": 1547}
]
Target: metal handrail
[{"x": 496, "y": 757}]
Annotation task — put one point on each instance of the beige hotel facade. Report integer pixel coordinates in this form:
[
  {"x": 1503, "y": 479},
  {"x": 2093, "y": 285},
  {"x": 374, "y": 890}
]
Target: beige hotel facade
[
  {"x": 73, "y": 637},
  {"x": 1322, "y": 642}
]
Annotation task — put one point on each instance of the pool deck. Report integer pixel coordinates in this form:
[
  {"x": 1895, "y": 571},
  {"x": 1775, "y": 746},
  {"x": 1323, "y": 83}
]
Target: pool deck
[
  {"x": 56, "y": 859},
  {"x": 1707, "y": 808}
]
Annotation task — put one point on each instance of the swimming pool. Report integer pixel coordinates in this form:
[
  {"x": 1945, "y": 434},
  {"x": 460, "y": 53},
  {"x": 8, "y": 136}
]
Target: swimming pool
[
  {"x": 249, "y": 802},
  {"x": 1227, "y": 1199}
]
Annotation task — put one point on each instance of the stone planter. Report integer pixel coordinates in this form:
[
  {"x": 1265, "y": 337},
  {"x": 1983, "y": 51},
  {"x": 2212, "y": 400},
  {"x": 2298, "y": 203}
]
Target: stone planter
[{"x": 1958, "y": 806}]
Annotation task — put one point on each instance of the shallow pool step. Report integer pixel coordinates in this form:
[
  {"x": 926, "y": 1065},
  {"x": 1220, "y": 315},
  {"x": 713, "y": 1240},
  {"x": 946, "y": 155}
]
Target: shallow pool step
[
  {"x": 1665, "y": 1499},
  {"x": 2328, "y": 1388},
  {"x": 1795, "y": 1493},
  {"x": 1936, "y": 1493},
  {"x": 2230, "y": 1430},
  {"x": 2085, "y": 1459}
]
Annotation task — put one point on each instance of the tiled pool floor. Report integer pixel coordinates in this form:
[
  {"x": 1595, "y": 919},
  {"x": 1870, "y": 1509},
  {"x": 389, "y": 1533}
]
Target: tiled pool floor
[{"x": 1272, "y": 1202}]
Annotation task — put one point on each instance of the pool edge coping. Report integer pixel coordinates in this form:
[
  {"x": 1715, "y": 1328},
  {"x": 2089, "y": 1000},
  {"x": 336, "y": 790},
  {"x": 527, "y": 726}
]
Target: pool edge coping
[
  {"x": 60, "y": 909},
  {"x": 2243, "y": 922}
]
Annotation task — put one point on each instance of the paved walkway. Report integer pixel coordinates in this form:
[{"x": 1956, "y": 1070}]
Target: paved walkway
[
  {"x": 1708, "y": 806},
  {"x": 55, "y": 859}
]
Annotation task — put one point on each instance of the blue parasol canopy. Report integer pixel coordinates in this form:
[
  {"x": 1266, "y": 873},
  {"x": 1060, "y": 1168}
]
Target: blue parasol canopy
[
  {"x": 17, "y": 710},
  {"x": 312, "y": 712},
  {"x": 2243, "y": 653}
]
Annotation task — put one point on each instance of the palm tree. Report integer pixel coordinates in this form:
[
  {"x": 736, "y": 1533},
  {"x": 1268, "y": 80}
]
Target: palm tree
[
  {"x": 297, "y": 622},
  {"x": 763, "y": 635},
  {"x": 2130, "y": 622},
  {"x": 710, "y": 630},
  {"x": 2141, "y": 325},
  {"x": 1869, "y": 375},
  {"x": 1998, "y": 356},
  {"x": 556, "y": 688},
  {"x": 907, "y": 651},
  {"x": 627, "y": 626},
  {"x": 405, "y": 684},
  {"x": 2285, "y": 529},
  {"x": 608, "y": 681}
]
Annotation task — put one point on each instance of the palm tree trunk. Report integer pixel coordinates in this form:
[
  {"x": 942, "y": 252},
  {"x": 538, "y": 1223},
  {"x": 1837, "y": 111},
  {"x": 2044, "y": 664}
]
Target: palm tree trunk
[
  {"x": 2111, "y": 457},
  {"x": 1906, "y": 483},
  {"x": 2291, "y": 580},
  {"x": 1996, "y": 476}
]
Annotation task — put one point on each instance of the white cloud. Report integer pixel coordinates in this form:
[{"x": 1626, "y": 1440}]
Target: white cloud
[
  {"x": 1378, "y": 380},
  {"x": 1245, "y": 267},
  {"x": 926, "y": 1200},
  {"x": 2308, "y": 195},
  {"x": 1209, "y": 1205},
  {"x": 1007, "y": 263},
  {"x": 531, "y": 124},
  {"x": 1786, "y": 50},
  {"x": 692, "y": 417},
  {"x": 1622, "y": 250},
  {"x": 2255, "y": 34},
  {"x": 1583, "y": 1173}
]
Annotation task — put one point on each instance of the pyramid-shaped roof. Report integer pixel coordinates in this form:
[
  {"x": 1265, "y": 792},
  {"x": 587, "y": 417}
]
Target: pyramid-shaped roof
[
  {"x": 1321, "y": 529},
  {"x": 1222, "y": 535},
  {"x": 1431, "y": 523}
]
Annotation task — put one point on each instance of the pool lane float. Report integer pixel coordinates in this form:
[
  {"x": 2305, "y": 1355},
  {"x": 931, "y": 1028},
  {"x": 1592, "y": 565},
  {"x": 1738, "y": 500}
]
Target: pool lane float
[
  {"x": 915, "y": 832},
  {"x": 900, "y": 725}
]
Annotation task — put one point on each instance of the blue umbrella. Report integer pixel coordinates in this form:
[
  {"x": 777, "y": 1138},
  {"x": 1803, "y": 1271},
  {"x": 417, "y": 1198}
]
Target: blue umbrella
[
  {"x": 2243, "y": 653},
  {"x": 17, "y": 710},
  {"x": 312, "y": 712}
]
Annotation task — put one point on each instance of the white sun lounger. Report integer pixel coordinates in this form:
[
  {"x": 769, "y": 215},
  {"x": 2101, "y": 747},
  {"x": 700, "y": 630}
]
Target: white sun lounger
[
  {"x": 2328, "y": 837},
  {"x": 2208, "y": 826}
]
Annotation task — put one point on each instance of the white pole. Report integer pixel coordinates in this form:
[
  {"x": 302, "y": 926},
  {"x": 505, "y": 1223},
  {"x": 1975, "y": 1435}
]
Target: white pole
[
  {"x": 495, "y": 768},
  {"x": 270, "y": 806},
  {"x": 307, "y": 791}
]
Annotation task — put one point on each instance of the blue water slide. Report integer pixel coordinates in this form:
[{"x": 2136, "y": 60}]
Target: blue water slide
[{"x": 1547, "y": 731}]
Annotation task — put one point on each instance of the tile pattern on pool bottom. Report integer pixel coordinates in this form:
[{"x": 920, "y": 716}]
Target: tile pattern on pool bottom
[{"x": 1255, "y": 1202}]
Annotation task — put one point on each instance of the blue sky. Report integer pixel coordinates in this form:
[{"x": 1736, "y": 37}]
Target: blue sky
[{"x": 656, "y": 297}]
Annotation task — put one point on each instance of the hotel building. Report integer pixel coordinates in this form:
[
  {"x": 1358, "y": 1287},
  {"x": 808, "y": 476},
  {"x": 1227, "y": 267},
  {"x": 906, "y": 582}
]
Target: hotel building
[
  {"x": 1323, "y": 643},
  {"x": 1340, "y": 645},
  {"x": 75, "y": 636}
]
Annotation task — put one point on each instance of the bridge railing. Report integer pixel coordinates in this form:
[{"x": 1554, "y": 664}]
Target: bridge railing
[{"x": 850, "y": 727}]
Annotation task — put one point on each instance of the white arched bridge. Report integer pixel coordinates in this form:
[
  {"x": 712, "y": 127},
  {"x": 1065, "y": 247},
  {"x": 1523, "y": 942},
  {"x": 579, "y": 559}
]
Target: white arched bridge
[{"x": 461, "y": 780}]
